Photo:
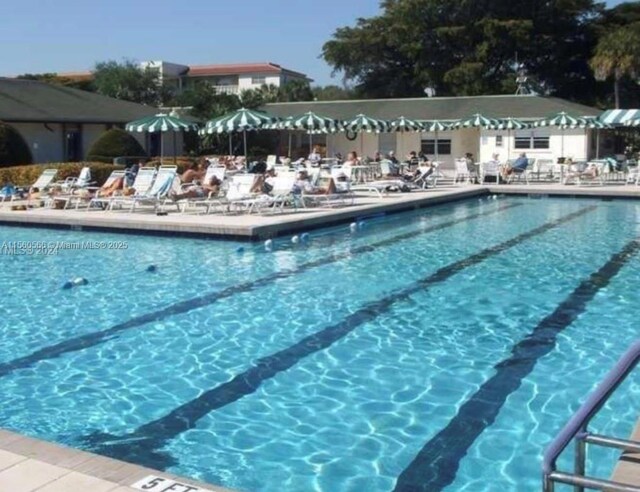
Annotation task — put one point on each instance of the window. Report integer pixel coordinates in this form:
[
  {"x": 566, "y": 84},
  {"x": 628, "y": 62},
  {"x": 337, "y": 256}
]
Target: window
[
  {"x": 532, "y": 142},
  {"x": 433, "y": 147},
  {"x": 259, "y": 80},
  {"x": 498, "y": 140}
]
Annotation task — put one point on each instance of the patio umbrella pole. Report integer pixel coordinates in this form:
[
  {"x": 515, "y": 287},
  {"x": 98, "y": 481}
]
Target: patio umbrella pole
[
  {"x": 244, "y": 133},
  {"x": 161, "y": 147},
  {"x": 230, "y": 145},
  {"x": 289, "y": 154},
  {"x": 175, "y": 145},
  {"x": 597, "y": 143},
  {"x": 310, "y": 143},
  {"x": 436, "y": 145}
]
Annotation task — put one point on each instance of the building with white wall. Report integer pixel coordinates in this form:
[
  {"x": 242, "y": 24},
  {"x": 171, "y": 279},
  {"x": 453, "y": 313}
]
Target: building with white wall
[
  {"x": 61, "y": 124},
  {"x": 544, "y": 142},
  {"x": 225, "y": 78}
]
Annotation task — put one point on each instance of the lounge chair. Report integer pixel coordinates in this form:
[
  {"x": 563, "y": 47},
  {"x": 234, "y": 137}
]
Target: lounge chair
[
  {"x": 238, "y": 194},
  {"x": 217, "y": 171},
  {"x": 584, "y": 177},
  {"x": 428, "y": 176},
  {"x": 159, "y": 191},
  {"x": 142, "y": 184},
  {"x": 280, "y": 196},
  {"x": 75, "y": 201}
]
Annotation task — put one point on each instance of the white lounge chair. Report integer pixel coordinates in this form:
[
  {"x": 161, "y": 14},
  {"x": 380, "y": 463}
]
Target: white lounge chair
[
  {"x": 159, "y": 191},
  {"x": 141, "y": 184},
  {"x": 280, "y": 196},
  {"x": 238, "y": 194}
]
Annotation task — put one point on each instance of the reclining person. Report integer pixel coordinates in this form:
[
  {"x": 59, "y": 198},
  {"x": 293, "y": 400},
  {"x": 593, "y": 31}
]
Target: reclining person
[
  {"x": 199, "y": 190},
  {"x": 518, "y": 167}
]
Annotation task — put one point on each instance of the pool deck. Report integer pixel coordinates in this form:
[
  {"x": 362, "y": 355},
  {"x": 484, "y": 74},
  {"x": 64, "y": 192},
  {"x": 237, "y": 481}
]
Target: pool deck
[
  {"x": 260, "y": 227},
  {"x": 30, "y": 465},
  {"x": 627, "y": 470}
]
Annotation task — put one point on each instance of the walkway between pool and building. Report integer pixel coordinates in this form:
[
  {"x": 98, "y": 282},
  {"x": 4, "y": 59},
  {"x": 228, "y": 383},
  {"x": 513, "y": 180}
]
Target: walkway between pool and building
[
  {"x": 31, "y": 465},
  {"x": 255, "y": 227}
]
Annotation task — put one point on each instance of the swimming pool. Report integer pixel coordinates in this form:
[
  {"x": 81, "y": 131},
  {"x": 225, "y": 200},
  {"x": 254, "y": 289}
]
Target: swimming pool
[{"x": 440, "y": 349}]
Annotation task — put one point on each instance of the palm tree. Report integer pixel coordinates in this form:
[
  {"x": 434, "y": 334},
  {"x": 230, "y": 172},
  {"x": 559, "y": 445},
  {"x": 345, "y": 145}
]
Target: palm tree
[{"x": 617, "y": 55}]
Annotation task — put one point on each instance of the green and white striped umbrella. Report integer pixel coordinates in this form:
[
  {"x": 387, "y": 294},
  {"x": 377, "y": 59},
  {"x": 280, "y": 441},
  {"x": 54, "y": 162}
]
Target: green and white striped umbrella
[
  {"x": 560, "y": 120},
  {"x": 435, "y": 126},
  {"x": 635, "y": 122},
  {"x": 240, "y": 121},
  {"x": 403, "y": 124},
  {"x": 160, "y": 123},
  {"x": 477, "y": 121},
  {"x": 314, "y": 123},
  {"x": 362, "y": 123},
  {"x": 512, "y": 124}
]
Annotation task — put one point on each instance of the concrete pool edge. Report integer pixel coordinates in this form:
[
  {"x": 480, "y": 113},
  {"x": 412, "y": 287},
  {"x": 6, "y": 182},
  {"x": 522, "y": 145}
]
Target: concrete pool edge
[
  {"x": 255, "y": 228},
  {"x": 34, "y": 464}
]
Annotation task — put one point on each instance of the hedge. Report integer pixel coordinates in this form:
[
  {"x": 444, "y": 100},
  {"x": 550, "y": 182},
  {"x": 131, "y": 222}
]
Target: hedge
[
  {"x": 13, "y": 148},
  {"x": 27, "y": 175},
  {"x": 114, "y": 143}
]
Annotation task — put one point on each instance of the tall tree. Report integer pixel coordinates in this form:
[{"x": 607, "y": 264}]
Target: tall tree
[
  {"x": 128, "y": 81},
  {"x": 467, "y": 47},
  {"x": 617, "y": 56}
]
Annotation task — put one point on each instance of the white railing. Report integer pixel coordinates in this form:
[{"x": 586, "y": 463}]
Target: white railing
[{"x": 227, "y": 89}]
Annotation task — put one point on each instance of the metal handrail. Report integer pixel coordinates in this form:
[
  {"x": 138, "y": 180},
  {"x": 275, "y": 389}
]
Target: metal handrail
[{"x": 576, "y": 428}]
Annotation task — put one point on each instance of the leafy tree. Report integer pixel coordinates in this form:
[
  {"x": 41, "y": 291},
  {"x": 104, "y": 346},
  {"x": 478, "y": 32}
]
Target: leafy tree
[
  {"x": 617, "y": 55},
  {"x": 129, "y": 82},
  {"x": 13, "y": 149},
  {"x": 205, "y": 102},
  {"x": 467, "y": 47},
  {"x": 295, "y": 90},
  {"x": 114, "y": 143},
  {"x": 331, "y": 93}
]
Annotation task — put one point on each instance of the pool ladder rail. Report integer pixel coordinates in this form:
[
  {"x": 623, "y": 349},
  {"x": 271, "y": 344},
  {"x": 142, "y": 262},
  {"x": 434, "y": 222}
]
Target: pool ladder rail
[{"x": 577, "y": 429}]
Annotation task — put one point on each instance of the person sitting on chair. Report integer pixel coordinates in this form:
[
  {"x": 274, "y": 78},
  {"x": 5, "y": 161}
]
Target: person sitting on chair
[
  {"x": 196, "y": 172},
  {"x": 315, "y": 157},
  {"x": 518, "y": 167},
  {"x": 199, "y": 190}
]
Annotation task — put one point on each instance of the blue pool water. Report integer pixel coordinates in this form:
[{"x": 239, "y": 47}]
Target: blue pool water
[{"x": 413, "y": 354}]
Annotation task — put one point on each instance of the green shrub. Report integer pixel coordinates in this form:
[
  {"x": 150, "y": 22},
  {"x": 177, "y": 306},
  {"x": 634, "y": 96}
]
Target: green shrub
[
  {"x": 27, "y": 175},
  {"x": 114, "y": 143},
  {"x": 13, "y": 149}
]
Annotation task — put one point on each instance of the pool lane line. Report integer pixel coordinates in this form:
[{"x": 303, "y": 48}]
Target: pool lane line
[
  {"x": 143, "y": 445},
  {"x": 436, "y": 465},
  {"x": 95, "y": 338}
]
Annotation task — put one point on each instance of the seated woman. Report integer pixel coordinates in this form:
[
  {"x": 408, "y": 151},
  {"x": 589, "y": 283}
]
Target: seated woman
[
  {"x": 303, "y": 185},
  {"x": 590, "y": 172},
  {"x": 264, "y": 182},
  {"x": 199, "y": 190}
]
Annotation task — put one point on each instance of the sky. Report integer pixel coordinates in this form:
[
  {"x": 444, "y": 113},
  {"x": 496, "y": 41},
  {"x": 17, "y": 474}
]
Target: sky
[{"x": 40, "y": 36}]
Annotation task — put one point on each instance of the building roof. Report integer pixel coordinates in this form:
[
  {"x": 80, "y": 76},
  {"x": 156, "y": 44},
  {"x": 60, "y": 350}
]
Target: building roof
[
  {"x": 210, "y": 70},
  {"x": 32, "y": 101},
  {"x": 438, "y": 108},
  {"x": 239, "y": 68}
]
